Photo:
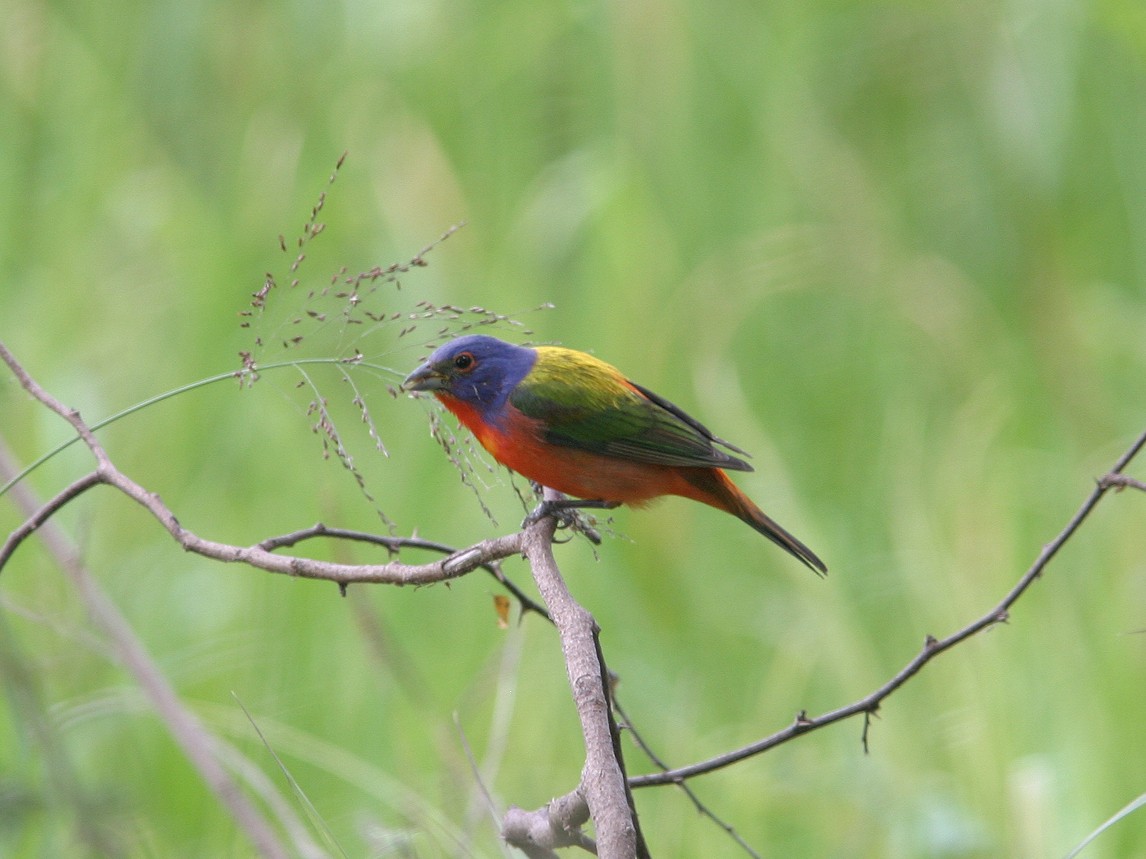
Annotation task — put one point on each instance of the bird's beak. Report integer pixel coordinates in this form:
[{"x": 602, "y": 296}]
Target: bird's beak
[{"x": 425, "y": 378}]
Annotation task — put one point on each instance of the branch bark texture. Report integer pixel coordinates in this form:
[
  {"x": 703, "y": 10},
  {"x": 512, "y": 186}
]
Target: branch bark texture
[
  {"x": 603, "y": 779},
  {"x": 603, "y": 793}
]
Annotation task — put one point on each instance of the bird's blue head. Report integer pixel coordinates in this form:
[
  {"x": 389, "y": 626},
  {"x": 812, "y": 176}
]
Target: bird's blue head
[{"x": 478, "y": 370}]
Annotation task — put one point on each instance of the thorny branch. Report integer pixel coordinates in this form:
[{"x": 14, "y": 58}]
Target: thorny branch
[
  {"x": 602, "y": 794},
  {"x": 603, "y": 789},
  {"x": 456, "y": 564},
  {"x": 869, "y": 705},
  {"x": 393, "y": 544}
]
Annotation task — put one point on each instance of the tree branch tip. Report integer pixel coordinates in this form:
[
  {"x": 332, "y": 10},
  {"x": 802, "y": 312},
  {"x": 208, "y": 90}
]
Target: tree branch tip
[{"x": 1118, "y": 482}]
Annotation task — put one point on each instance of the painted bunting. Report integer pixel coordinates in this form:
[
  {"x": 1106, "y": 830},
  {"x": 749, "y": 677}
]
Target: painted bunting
[{"x": 573, "y": 423}]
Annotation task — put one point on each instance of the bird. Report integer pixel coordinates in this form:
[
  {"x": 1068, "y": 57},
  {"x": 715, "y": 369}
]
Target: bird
[{"x": 574, "y": 423}]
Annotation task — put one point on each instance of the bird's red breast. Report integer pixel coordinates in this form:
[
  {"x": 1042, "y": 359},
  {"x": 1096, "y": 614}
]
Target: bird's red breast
[
  {"x": 517, "y": 442},
  {"x": 575, "y": 424}
]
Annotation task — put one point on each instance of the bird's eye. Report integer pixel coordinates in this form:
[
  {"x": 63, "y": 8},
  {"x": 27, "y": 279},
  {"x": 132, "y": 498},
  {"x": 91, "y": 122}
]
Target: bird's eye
[{"x": 465, "y": 362}]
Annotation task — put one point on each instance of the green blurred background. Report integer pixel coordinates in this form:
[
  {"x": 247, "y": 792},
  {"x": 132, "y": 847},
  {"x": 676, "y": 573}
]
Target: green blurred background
[{"x": 897, "y": 251}]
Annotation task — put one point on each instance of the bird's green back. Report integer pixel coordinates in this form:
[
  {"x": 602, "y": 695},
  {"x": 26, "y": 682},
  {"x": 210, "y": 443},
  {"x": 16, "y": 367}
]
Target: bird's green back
[{"x": 584, "y": 403}]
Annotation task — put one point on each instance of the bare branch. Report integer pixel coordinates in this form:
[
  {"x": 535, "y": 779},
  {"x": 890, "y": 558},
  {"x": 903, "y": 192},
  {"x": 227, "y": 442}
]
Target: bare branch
[
  {"x": 603, "y": 790},
  {"x": 456, "y": 564},
  {"x": 700, "y": 806},
  {"x": 39, "y": 515},
  {"x": 198, "y": 744},
  {"x": 932, "y": 647},
  {"x": 555, "y": 825},
  {"x": 70, "y": 415},
  {"x": 603, "y": 783},
  {"x": 393, "y": 544}
]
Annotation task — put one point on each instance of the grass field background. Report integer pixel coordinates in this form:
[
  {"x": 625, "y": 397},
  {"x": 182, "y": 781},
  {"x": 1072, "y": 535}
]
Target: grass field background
[{"x": 896, "y": 251}]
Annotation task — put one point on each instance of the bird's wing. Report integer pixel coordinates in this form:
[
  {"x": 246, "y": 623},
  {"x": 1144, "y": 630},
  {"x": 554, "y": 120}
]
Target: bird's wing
[{"x": 588, "y": 405}]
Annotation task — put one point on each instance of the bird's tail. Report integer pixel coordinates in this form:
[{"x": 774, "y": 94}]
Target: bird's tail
[{"x": 716, "y": 489}]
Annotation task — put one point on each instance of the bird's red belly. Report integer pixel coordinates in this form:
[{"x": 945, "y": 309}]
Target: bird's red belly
[
  {"x": 587, "y": 475},
  {"x": 579, "y": 473}
]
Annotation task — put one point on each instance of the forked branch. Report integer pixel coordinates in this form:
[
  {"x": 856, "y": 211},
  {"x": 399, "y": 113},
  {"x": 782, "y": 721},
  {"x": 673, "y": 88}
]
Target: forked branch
[
  {"x": 260, "y": 555},
  {"x": 603, "y": 791}
]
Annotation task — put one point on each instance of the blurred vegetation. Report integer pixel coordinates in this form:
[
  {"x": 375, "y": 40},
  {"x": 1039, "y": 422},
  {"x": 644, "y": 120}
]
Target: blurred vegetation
[{"x": 897, "y": 251}]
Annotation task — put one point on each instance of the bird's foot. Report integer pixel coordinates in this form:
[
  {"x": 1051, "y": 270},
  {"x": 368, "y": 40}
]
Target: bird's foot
[
  {"x": 567, "y": 513},
  {"x": 562, "y": 507}
]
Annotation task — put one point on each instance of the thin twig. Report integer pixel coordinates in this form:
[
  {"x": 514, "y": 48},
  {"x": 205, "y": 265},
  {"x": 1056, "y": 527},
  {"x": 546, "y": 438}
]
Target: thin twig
[
  {"x": 456, "y": 564},
  {"x": 932, "y": 647},
  {"x": 683, "y": 785},
  {"x": 393, "y": 544},
  {"x": 603, "y": 786}
]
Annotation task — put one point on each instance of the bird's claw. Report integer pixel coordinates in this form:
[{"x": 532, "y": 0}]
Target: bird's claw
[
  {"x": 545, "y": 508},
  {"x": 567, "y": 512}
]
